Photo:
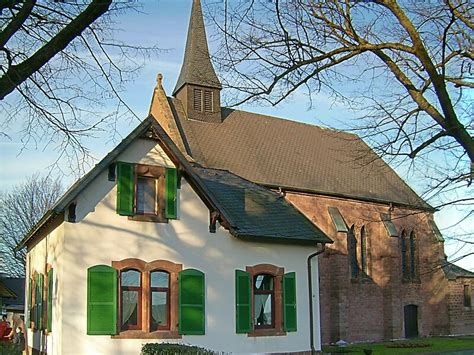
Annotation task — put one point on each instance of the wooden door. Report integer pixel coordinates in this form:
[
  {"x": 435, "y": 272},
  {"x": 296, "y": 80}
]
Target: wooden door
[{"x": 411, "y": 321}]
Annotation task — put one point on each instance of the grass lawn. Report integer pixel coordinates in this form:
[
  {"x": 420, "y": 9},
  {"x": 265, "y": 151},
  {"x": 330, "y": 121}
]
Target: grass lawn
[{"x": 422, "y": 345}]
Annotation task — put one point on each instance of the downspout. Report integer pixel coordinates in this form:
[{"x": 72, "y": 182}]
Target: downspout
[{"x": 310, "y": 291}]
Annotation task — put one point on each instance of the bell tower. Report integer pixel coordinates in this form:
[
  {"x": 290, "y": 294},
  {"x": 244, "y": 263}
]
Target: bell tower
[{"x": 198, "y": 86}]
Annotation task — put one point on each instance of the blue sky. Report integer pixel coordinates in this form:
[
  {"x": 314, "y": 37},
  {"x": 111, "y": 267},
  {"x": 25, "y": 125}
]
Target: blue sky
[{"x": 163, "y": 23}]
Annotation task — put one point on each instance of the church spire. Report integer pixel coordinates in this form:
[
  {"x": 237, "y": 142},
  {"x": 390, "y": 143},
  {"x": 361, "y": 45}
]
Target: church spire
[{"x": 197, "y": 68}]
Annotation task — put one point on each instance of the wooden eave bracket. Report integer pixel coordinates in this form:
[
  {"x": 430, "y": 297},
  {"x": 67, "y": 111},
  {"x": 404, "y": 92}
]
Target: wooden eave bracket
[{"x": 213, "y": 217}]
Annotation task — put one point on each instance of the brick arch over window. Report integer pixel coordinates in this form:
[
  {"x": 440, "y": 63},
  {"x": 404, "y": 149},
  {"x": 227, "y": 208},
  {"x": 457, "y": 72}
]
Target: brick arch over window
[
  {"x": 146, "y": 268},
  {"x": 277, "y": 273}
]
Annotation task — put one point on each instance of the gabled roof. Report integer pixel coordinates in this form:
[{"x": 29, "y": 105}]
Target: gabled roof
[
  {"x": 214, "y": 198},
  {"x": 71, "y": 194},
  {"x": 197, "y": 68},
  {"x": 453, "y": 271},
  {"x": 256, "y": 212},
  {"x": 295, "y": 156}
]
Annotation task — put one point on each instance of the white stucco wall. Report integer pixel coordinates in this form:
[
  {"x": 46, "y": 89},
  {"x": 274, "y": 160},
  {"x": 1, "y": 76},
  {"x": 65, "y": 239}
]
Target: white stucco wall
[
  {"x": 48, "y": 251},
  {"x": 102, "y": 236}
]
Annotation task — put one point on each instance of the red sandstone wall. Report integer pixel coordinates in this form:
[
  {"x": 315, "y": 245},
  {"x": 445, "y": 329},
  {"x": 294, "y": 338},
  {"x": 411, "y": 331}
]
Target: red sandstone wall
[
  {"x": 372, "y": 308},
  {"x": 461, "y": 318}
]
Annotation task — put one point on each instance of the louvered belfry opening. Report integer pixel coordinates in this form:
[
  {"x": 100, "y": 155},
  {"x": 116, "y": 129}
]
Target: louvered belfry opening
[
  {"x": 197, "y": 97},
  {"x": 208, "y": 101},
  {"x": 198, "y": 87}
]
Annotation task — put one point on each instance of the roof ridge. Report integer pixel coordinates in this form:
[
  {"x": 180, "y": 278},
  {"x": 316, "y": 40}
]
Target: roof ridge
[{"x": 335, "y": 130}]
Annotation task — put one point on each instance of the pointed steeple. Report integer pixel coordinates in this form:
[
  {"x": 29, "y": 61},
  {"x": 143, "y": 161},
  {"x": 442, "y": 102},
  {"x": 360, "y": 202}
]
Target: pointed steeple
[{"x": 197, "y": 68}]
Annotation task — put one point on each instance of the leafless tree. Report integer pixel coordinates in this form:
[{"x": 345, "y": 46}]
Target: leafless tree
[
  {"x": 407, "y": 65},
  {"x": 62, "y": 72},
  {"x": 21, "y": 208}
]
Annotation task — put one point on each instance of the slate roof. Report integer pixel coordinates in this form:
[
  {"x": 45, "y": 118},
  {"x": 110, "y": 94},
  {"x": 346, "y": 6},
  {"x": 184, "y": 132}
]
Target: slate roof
[
  {"x": 280, "y": 153},
  {"x": 5, "y": 291},
  {"x": 17, "y": 286},
  {"x": 256, "y": 212},
  {"x": 197, "y": 67},
  {"x": 453, "y": 271}
]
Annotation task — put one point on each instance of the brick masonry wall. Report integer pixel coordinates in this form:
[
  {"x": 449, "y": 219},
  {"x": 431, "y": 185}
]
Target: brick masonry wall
[
  {"x": 461, "y": 317},
  {"x": 372, "y": 308}
]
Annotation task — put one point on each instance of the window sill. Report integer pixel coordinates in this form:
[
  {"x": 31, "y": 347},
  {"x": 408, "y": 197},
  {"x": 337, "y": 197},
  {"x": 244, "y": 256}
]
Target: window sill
[
  {"x": 140, "y": 334},
  {"x": 266, "y": 333},
  {"x": 148, "y": 218}
]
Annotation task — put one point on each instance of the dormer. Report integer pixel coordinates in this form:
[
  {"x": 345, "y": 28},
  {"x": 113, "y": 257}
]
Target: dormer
[{"x": 198, "y": 86}]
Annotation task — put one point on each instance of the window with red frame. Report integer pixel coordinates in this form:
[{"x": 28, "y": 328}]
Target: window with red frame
[
  {"x": 130, "y": 299},
  {"x": 264, "y": 301},
  {"x": 159, "y": 300}
]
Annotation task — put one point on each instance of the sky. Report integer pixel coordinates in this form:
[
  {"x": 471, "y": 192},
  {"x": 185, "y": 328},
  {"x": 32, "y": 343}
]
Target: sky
[{"x": 163, "y": 23}]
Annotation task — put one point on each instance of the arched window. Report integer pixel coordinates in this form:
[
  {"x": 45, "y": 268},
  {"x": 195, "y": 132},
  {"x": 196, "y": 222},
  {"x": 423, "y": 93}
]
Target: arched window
[
  {"x": 363, "y": 251},
  {"x": 159, "y": 300},
  {"x": 130, "y": 299},
  {"x": 352, "y": 251},
  {"x": 404, "y": 255},
  {"x": 413, "y": 264},
  {"x": 148, "y": 297},
  {"x": 264, "y": 301}
]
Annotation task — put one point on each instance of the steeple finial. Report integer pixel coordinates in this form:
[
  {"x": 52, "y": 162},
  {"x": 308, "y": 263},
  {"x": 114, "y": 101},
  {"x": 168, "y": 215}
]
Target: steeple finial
[{"x": 197, "y": 68}]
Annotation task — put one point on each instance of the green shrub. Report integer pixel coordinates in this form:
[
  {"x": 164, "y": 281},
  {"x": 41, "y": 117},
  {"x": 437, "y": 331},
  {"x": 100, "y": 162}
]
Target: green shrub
[
  {"x": 408, "y": 345},
  {"x": 7, "y": 348},
  {"x": 173, "y": 349},
  {"x": 340, "y": 350}
]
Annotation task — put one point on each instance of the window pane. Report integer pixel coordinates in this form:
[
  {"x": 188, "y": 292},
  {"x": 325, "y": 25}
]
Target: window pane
[
  {"x": 263, "y": 309},
  {"x": 146, "y": 195},
  {"x": 263, "y": 282},
  {"x": 129, "y": 308},
  {"x": 159, "y": 279},
  {"x": 337, "y": 219},
  {"x": 159, "y": 309},
  {"x": 130, "y": 278}
]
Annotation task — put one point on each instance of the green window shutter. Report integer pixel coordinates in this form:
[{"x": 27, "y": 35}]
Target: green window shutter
[
  {"x": 289, "y": 302},
  {"x": 243, "y": 305},
  {"x": 171, "y": 193},
  {"x": 30, "y": 306},
  {"x": 50, "y": 300},
  {"x": 191, "y": 302},
  {"x": 125, "y": 188},
  {"x": 40, "y": 302},
  {"x": 35, "y": 305},
  {"x": 101, "y": 300}
]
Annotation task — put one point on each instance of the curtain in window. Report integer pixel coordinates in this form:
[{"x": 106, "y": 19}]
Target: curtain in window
[
  {"x": 129, "y": 307},
  {"x": 263, "y": 309},
  {"x": 130, "y": 283}
]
